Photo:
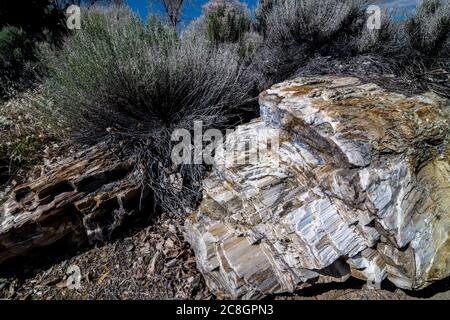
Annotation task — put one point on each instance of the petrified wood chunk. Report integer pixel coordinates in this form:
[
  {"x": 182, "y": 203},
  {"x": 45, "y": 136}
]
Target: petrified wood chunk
[
  {"x": 358, "y": 186},
  {"x": 88, "y": 194}
]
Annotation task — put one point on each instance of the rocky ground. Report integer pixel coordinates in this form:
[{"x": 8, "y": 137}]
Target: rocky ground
[{"x": 151, "y": 262}]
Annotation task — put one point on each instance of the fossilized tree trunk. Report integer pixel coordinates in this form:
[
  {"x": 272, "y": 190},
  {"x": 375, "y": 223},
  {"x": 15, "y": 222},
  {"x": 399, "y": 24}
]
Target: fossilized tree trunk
[
  {"x": 358, "y": 186},
  {"x": 88, "y": 195}
]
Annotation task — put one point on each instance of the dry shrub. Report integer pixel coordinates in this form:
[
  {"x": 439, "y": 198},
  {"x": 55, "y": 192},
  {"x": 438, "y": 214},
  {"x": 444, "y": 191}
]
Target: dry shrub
[
  {"x": 304, "y": 37},
  {"x": 132, "y": 84}
]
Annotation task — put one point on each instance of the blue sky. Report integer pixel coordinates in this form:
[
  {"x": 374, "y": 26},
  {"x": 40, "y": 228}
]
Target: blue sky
[{"x": 193, "y": 8}]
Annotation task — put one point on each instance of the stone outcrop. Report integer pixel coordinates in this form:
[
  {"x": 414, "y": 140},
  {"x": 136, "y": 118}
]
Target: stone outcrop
[
  {"x": 86, "y": 197},
  {"x": 357, "y": 186}
]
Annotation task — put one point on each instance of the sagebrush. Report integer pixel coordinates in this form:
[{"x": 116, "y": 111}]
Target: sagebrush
[
  {"x": 303, "y": 37},
  {"x": 132, "y": 83}
]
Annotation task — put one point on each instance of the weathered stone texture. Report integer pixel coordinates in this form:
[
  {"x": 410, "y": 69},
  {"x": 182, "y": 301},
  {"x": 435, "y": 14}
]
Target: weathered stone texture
[
  {"x": 86, "y": 196},
  {"x": 358, "y": 186}
]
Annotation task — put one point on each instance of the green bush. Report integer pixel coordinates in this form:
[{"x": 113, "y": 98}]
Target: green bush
[
  {"x": 222, "y": 22},
  {"x": 16, "y": 52},
  {"x": 226, "y": 20},
  {"x": 14, "y": 47},
  {"x": 21, "y": 30},
  {"x": 227, "y": 23},
  {"x": 129, "y": 83}
]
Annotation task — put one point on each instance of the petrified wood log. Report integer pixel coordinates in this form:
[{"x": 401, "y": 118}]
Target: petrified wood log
[
  {"x": 357, "y": 186},
  {"x": 89, "y": 195}
]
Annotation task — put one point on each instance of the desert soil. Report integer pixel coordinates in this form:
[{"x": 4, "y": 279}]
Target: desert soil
[{"x": 154, "y": 262}]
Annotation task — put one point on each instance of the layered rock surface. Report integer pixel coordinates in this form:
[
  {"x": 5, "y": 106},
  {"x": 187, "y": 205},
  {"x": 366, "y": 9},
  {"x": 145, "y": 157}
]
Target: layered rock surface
[
  {"x": 85, "y": 197},
  {"x": 336, "y": 179}
]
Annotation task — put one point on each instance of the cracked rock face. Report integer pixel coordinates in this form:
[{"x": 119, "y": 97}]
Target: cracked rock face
[
  {"x": 85, "y": 197},
  {"x": 357, "y": 185}
]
